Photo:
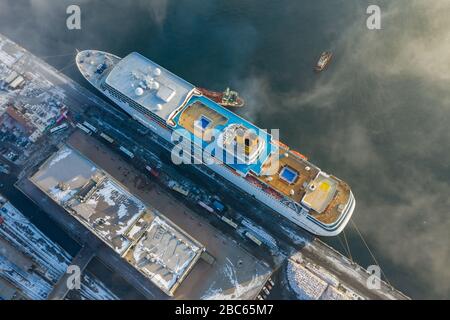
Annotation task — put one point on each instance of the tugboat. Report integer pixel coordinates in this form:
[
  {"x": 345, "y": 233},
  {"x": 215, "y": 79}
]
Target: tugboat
[
  {"x": 323, "y": 61},
  {"x": 228, "y": 98}
]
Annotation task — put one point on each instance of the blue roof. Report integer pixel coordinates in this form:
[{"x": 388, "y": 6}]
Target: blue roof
[{"x": 234, "y": 119}]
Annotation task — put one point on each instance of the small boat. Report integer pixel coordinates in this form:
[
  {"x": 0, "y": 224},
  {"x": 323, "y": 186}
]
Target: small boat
[
  {"x": 323, "y": 61},
  {"x": 228, "y": 98}
]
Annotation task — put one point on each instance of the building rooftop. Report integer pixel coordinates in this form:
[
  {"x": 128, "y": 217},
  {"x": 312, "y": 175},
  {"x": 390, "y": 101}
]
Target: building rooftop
[
  {"x": 139, "y": 233},
  {"x": 149, "y": 84},
  {"x": 164, "y": 254}
]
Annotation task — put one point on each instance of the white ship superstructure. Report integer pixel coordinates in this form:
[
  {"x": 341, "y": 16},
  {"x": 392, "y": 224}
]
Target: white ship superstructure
[{"x": 265, "y": 168}]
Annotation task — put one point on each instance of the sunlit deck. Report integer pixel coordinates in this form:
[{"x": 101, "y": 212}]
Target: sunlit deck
[
  {"x": 326, "y": 196},
  {"x": 244, "y": 149},
  {"x": 205, "y": 116},
  {"x": 194, "y": 112},
  {"x": 335, "y": 208},
  {"x": 305, "y": 173}
]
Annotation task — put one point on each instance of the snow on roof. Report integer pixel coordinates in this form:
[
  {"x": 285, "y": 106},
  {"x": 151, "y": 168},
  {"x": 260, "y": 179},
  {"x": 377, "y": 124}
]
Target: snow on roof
[
  {"x": 107, "y": 208},
  {"x": 20, "y": 231},
  {"x": 54, "y": 171},
  {"x": 111, "y": 210},
  {"x": 162, "y": 251},
  {"x": 313, "y": 282},
  {"x": 30, "y": 284},
  {"x": 165, "y": 254}
]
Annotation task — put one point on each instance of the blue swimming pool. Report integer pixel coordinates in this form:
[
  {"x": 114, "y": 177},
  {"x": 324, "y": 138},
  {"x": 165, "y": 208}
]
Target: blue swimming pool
[{"x": 288, "y": 174}]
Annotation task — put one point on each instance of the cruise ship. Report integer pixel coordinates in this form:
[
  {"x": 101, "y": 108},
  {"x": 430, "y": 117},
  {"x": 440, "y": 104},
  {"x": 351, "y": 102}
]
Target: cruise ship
[{"x": 247, "y": 156}]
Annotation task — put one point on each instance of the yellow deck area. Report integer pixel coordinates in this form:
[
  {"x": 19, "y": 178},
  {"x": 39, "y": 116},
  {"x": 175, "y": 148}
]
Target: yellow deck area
[
  {"x": 332, "y": 212},
  {"x": 338, "y": 192},
  {"x": 324, "y": 192},
  {"x": 297, "y": 164},
  {"x": 193, "y": 113}
]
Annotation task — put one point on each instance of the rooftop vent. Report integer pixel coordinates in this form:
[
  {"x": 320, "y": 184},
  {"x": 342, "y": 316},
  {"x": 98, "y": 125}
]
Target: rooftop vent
[
  {"x": 151, "y": 83},
  {"x": 158, "y": 107},
  {"x": 139, "y": 91},
  {"x": 157, "y": 72}
]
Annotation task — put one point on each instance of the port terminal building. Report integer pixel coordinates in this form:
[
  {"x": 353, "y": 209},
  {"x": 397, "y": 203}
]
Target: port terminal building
[{"x": 153, "y": 244}]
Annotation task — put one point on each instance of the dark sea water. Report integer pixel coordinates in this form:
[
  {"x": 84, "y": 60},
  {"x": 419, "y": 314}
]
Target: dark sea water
[{"x": 378, "y": 118}]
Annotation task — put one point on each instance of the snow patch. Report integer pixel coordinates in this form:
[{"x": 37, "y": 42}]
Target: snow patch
[{"x": 61, "y": 155}]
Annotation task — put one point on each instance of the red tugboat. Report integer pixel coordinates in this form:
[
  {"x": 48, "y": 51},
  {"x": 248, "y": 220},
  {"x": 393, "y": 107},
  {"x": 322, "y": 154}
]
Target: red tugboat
[
  {"x": 228, "y": 98},
  {"x": 323, "y": 61}
]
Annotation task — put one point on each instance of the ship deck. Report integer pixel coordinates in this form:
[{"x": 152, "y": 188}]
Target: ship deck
[
  {"x": 305, "y": 174},
  {"x": 334, "y": 209},
  {"x": 196, "y": 110},
  {"x": 292, "y": 176},
  {"x": 326, "y": 202},
  {"x": 220, "y": 118},
  {"x": 162, "y": 92},
  {"x": 89, "y": 60}
]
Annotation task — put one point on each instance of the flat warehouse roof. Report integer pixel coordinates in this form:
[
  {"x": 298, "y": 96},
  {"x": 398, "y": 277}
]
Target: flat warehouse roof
[
  {"x": 149, "y": 241},
  {"x": 164, "y": 254}
]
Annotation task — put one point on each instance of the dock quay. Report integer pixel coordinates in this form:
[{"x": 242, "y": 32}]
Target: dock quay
[{"x": 146, "y": 177}]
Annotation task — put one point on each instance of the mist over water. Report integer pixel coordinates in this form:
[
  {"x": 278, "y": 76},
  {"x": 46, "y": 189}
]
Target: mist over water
[{"x": 377, "y": 118}]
